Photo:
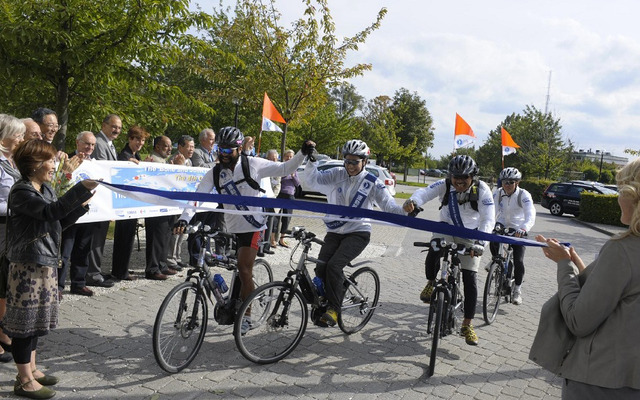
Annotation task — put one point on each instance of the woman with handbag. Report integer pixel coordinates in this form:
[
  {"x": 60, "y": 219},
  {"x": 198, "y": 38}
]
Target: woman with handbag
[
  {"x": 37, "y": 218},
  {"x": 600, "y": 305}
]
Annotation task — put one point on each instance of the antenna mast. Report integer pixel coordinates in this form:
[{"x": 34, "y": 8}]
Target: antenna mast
[{"x": 546, "y": 104}]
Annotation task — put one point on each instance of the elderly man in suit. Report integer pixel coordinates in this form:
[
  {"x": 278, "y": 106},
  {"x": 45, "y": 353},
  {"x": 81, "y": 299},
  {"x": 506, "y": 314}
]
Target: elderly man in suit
[{"x": 204, "y": 155}]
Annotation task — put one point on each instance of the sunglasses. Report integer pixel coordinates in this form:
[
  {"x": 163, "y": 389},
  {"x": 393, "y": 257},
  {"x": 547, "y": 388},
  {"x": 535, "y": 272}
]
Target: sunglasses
[
  {"x": 463, "y": 177},
  {"x": 508, "y": 182},
  {"x": 351, "y": 162},
  {"x": 225, "y": 150}
]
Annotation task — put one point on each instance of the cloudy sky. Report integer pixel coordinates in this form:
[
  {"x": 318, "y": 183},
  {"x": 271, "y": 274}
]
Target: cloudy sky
[{"x": 488, "y": 59}]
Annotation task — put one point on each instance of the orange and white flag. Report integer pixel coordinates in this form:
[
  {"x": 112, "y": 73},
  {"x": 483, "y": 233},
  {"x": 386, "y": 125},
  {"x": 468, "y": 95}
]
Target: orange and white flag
[
  {"x": 270, "y": 114},
  {"x": 463, "y": 135},
  {"x": 508, "y": 145}
]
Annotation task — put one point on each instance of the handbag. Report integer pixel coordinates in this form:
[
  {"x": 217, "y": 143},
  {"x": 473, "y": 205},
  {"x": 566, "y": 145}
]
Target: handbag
[{"x": 553, "y": 340}]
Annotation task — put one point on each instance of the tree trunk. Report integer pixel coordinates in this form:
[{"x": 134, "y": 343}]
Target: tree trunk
[{"x": 62, "y": 108}]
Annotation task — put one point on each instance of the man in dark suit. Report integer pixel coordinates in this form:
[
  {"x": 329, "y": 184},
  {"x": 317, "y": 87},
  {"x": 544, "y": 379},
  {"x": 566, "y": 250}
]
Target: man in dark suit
[
  {"x": 105, "y": 150},
  {"x": 76, "y": 239}
]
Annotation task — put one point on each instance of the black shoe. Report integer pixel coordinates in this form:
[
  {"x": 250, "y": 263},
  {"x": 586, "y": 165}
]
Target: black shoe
[
  {"x": 6, "y": 357},
  {"x": 157, "y": 276},
  {"x": 83, "y": 291},
  {"x": 105, "y": 283},
  {"x": 175, "y": 267},
  {"x": 183, "y": 265}
]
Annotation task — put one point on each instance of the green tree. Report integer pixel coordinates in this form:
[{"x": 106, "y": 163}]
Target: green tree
[
  {"x": 380, "y": 130},
  {"x": 543, "y": 152},
  {"x": 295, "y": 65},
  {"x": 415, "y": 127},
  {"x": 87, "y": 58}
]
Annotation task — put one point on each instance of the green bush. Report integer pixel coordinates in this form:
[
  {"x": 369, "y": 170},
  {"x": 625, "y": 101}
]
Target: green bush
[
  {"x": 600, "y": 208},
  {"x": 535, "y": 187}
]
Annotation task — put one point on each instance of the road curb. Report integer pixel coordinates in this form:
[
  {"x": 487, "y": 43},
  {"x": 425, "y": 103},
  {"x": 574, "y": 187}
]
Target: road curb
[{"x": 595, "y": 227}]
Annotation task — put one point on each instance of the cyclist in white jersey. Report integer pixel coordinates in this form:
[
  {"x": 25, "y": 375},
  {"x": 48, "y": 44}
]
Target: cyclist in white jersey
[
  {"x": 232, "y": 180},
  {"x": 350, "y": 186},
  {"x": 465, "y": 201},
  {"x": 515, "y": 210}
]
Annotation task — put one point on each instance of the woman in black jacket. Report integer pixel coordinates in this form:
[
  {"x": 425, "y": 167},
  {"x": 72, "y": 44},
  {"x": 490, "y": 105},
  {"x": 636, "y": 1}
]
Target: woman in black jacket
[{"x": 36, "y": 221}]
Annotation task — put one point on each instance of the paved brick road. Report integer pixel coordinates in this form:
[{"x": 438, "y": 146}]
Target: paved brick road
[{"x": 102, "y": 348}]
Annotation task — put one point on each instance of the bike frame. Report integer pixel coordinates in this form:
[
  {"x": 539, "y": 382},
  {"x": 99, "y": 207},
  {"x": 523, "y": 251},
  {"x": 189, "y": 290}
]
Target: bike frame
[{"x": 449, "y": 285}]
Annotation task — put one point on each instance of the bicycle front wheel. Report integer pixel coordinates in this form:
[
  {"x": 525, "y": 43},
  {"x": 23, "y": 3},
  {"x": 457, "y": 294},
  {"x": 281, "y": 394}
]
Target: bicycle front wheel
[
  {"x": 437, "y": 328},
  {"x": 360, "y": 300},
  {"x": 492, "y": 293},
  {"x": 278, "y": 320},
  {"x": 180, "y": 326}
]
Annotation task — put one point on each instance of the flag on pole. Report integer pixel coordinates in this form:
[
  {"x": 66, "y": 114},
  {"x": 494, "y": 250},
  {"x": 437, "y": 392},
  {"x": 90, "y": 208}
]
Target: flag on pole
[
  {"x": 270, "y": 114},
  {"x": 508, "y": 145},
  {"x": 463, "y": 135}
]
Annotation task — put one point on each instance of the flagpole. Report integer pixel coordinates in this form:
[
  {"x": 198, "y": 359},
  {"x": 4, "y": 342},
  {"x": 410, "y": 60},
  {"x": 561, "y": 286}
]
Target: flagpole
[{"x": 259, "y": 140}]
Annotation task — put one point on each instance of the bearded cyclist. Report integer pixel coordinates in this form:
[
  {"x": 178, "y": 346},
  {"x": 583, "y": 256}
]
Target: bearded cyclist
[
  {"x": 351, "y": 186},
  {"x": 515, "y": 210},
  {"x": 229, "y": 178},
  {"x": 465, "y": 202}
]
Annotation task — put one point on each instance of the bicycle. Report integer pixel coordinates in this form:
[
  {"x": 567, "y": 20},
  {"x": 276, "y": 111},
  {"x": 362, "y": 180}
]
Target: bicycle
[
  {"x": 447, "y": 300},
  {"x": 499, "y": 282},
  {"x": 282, "y": 307},
  {"x": 181, "y": 322}
]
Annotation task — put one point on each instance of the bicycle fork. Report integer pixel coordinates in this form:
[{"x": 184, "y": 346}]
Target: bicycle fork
[{"x": 440, "y": 287}]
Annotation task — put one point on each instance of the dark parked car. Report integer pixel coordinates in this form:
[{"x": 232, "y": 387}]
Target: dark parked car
[
  {"x": 433, "y": 172},
  {"x": 564, "y": 197}
]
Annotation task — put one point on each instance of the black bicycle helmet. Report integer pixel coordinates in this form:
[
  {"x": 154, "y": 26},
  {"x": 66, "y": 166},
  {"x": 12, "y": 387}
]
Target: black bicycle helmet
[
  {"x": 230, "y": 136},
  {"x": 462, "y": 165},
  {"x": 510, "y": 174},
  {"x": 357, "y": 148}
]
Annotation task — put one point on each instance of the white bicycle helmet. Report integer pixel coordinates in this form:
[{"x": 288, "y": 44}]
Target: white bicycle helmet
[
  {"x": 463, "y": 165},
  {"x": 357, "y": 148},
  {"x": 510, "y": 174}
]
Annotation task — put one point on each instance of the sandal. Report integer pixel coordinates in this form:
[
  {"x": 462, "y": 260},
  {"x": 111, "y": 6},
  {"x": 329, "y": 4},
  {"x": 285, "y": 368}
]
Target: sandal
[
  {"x": 283, "y": 244},
  {"x": 274, "y": 245},
  {"x": 42, "y": 393}
]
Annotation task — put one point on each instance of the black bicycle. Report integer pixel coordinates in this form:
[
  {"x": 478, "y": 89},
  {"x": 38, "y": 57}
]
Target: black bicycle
[
  {"x": 181, "y": 322},
  {"x": 279, "y": 310},
  {"x": 447, "y": 300},
  {"x": 499, "y": 281}
]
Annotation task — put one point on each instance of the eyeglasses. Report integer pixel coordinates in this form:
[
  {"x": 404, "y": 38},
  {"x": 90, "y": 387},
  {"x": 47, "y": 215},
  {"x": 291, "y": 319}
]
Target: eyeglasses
[
  {"x": 351, "y": 162},
  {"x": 462, "y": 177},
  {"x": 508, "y": 182},
  {"x": 55, "y": 127},
  {"x": 226, "y": 150}
]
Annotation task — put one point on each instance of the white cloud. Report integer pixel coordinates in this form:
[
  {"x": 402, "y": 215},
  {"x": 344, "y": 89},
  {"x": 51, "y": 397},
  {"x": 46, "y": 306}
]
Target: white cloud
[{"x": 486, "y": 60}]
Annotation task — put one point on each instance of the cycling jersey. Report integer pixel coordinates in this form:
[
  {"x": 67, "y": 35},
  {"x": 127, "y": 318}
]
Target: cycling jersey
[
  {"x": 483, "y": 219},
  {"x": 515, "y": 211},
  {"x": 259, "y": 168},
  {"x": 340, "y": 189}
]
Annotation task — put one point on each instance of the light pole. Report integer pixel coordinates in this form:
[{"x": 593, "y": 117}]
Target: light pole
[
  {"x": 601, "y": 158},
  {"x": 236, "y": 102}
]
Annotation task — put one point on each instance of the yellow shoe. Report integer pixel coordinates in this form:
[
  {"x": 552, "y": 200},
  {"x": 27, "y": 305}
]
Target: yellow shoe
[
  {"x": 426, "y": 293},
  {"x": 469, "y": 335},
  {"x": 330, "y": 317}
]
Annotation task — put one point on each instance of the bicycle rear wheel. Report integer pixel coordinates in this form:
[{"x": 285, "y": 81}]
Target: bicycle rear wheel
[
  {"x": 279, "y": 319},
  {"x": 360, "y": 300},
  {"x": 262, "y": 273},
  {"x": 437, "y": 328},
  {"x": 180, "y": 326},
  {"x": 492, "y": 293}
]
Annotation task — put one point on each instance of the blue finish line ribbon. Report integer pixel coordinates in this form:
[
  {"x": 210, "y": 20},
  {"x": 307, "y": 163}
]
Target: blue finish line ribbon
[{"x": 164, "y": 197}]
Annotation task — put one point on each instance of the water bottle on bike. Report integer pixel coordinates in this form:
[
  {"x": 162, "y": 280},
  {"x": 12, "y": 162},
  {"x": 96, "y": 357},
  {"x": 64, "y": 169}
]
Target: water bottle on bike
[{"x": 219, "y": 287}]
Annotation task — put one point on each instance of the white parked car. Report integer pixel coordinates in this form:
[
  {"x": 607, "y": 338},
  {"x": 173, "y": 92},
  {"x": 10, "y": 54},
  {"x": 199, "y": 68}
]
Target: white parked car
[{"x": 380, "y": 173}]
